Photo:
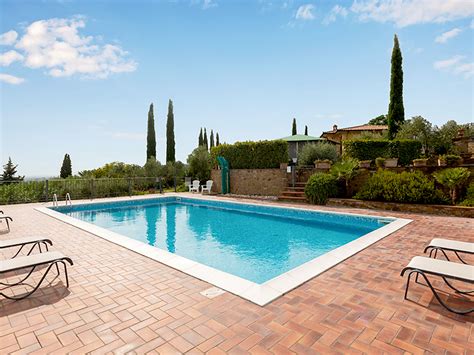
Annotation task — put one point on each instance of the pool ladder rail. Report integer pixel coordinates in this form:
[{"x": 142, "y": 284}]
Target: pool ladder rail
[{"x": 68, "y": 198}]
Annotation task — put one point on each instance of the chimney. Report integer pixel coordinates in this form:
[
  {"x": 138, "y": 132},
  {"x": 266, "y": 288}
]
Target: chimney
[{"x": 334, "y": 128}]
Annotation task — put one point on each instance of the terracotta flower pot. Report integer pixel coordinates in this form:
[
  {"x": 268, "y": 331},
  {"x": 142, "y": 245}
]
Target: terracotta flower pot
[
  {"x": 420, "y": 162},
  {"x": 322, "y": 164},
  {"x": 391, "y": 162}
]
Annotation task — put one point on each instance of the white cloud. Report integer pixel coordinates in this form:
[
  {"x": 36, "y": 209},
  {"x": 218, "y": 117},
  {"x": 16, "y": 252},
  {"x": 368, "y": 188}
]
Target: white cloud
[
  {"x": 9, "y": 57},
  {"x": 8, "y": 38},
  {"x": 447, "y": 63},
  {"x": 456, "y": 65},
  {"x": 444, "y": 37},
  {"x": 466, "y": 69},
  {"x": 58, "y": 46},
  {"x": 334, "y": 13},
  {"x": 207, "y": 4},
  {"x": 305, "y": 12},
  {"x": 10, "y": 79},
  {"x": 409, "y": 12}
]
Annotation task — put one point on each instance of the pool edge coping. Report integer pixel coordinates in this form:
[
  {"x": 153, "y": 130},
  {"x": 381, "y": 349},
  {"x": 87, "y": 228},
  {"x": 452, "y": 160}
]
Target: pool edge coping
[{"x": 260, "y": 294}]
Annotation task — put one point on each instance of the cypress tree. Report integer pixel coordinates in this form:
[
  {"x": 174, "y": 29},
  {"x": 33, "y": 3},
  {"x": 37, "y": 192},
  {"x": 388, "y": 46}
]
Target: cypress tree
[
  {"x": 205, "y": 143},
  {"x": 293, "y": 129},
  {"x": 9, "y": 172},
  {"x": 170, "y": 143},
  {"x": 396, "y": 111},
  {"x": 201, "y": 139},
  {"x": 217, "y": 139},
  {"x": 66, "y": 168},
  {"x": 211, "y": 140},
  {"x": 305, "y": 130},
  {"x": 150, "y": 138}
]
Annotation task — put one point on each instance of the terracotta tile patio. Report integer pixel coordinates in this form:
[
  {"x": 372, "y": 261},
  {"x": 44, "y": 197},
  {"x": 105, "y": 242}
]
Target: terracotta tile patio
[{"x": 123, "y": 302}]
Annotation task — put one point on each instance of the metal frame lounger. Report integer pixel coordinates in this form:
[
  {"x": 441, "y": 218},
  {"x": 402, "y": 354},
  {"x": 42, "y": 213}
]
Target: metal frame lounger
[
  {"x": 446, "y": 270},
  {"x": 444, "y": 245},
  {"x": 6, "y": 218},
  {"x": 33, "y": 261},
  {"x": 24, "y": 241}
]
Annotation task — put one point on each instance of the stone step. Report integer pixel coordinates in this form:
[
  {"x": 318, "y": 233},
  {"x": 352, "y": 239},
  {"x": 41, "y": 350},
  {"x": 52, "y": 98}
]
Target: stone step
[
  {"x": 293, "y": 193},
  {"x": 292, "y": 198}
]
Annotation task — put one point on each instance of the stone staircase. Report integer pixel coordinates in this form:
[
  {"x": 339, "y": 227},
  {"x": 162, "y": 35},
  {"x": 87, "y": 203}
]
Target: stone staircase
[{"x": 294, "y": 194}]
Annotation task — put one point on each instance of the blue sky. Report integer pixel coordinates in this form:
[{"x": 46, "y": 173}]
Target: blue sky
[{"x": 77, "y": 77}]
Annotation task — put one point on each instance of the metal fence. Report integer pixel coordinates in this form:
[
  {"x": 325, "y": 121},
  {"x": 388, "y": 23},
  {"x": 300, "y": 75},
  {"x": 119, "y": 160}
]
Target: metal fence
[{"x": 44, "y": 190}]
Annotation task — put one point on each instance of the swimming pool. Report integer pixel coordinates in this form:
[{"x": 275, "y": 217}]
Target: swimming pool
[{"x": 249, "y": 243}]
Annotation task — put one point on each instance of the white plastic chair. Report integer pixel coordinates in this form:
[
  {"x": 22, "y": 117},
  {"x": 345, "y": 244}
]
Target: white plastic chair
[
  {"x": 207, "y": 187},
  {"x": 194, "y": 187}
]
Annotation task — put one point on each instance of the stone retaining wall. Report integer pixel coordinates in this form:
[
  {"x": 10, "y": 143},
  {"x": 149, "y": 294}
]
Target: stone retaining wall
[
  {"x": 263, "y": 182},
  {"x": 441, "y": 210}
]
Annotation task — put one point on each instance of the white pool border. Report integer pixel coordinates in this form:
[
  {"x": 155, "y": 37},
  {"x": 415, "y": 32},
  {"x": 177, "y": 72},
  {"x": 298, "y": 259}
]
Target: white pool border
[{"x": 260, "y": 294}]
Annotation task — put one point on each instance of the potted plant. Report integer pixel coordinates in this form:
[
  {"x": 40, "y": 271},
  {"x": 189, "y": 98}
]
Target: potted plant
[
  {"x": 323, "y": 164},
  {"x": 391, "y": 162},
  {"x": 364, "y": 164},
  {"x": 380, "y": 162},
  {"x": 453, "y": 179},
  {"x": 420, "y": 162},
  {"x": 453, "y": 160}
]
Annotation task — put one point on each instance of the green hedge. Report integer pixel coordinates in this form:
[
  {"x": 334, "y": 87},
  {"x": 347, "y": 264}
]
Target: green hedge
[
  {"x": 406, "y": 187},
  {"x": 252, "y": 155},
  {"x": 369, "y": 149}
]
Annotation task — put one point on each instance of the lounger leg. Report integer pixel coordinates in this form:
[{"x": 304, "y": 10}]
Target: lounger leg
[
  {"x": 21, "y": 281},
  {"x": 457, "y": 311},
  {"x": 46, "y": 246},
  {"x": 65, "y": 272},
  {"x": 408, "y": 284},
  {"x": 8, "y": 224},
  {"x": 18, "y": 252},
  {"x": 455, "y": 289},
  {"x": 459, "y": 257},
  {"x": 34, "y": 289}
]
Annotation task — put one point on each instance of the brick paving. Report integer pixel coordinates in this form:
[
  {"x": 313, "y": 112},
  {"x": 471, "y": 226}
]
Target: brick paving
[{"x": 122, "y": 302}]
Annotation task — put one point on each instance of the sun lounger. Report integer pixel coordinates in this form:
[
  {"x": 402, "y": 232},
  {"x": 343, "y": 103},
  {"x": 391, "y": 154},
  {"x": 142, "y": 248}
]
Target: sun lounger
[
  {"x": 424, "y": 266},
  {"x": 32, "y": 262},
  {"x": 444, "y": 245},
  {"x": 26, "y": 241},
  {"x": 6, "y": 218}
]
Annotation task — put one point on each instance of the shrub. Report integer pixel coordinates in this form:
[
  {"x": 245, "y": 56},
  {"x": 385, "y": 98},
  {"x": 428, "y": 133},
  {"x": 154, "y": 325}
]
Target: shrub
[
  {"x": 317, "y": 151},
  {"x": 451, "y": 159},
  {"x": 469, "y": 199},
  {"x": 364, "y": 149},
  {"x": 407, "y": 187},
  {"x": 345, "y": 170},
  {"x": 200, "y": 163},
  {"x": 320, "y": 187},
  {"x": 252, "y": 155},
  {"x": 453, "y": 179}
]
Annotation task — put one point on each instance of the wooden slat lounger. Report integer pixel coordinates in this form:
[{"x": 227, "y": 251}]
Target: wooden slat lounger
[
  {"x": 446, "y": 270},
  {"x": 444, "y": 245},
  {"x": 32, "y": 262},
  {"x": 6, "y": 218},
  {"x": 24, "y": 241}
]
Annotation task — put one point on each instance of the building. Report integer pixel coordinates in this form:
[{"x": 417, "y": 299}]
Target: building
[
  {"x": 338, "y": 135},
  {"x": 298, "y": 141}
]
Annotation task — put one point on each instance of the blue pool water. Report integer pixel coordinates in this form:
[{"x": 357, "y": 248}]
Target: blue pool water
[{"x": 256, "y": 243}]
